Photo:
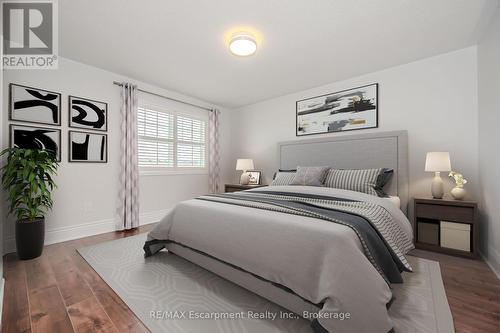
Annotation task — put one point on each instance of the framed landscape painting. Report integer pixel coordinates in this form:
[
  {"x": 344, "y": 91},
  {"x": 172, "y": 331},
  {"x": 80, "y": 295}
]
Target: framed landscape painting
[
  {"x": 345, "y": 110},
  {"x": 34, "y": 105}
]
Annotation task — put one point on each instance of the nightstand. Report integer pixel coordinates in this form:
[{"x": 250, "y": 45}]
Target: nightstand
[
  {"x": 447, "y": 226},
  {"x": 237, "y": 187}
]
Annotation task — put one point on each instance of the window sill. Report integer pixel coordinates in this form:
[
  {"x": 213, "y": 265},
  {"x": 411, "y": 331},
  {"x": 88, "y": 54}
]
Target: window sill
[{"x": 172, "y": 172}]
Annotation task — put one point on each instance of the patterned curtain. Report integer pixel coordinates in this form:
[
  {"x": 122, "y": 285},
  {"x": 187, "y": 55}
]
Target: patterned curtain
[
  {"x": 213, "y": 149},
  {"x": 128, "y": 201}
]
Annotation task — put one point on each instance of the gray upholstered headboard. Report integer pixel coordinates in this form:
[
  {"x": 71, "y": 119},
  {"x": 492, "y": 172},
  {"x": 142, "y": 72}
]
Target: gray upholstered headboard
[{"x": 362, "y": 151}]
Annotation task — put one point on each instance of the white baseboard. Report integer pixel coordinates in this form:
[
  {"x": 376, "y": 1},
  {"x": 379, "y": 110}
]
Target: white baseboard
[
  {"x": 57, "y": 235},
  {"x": 492, "y": 260}
]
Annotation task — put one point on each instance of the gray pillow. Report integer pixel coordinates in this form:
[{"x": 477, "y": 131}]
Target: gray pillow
[
  {"x": 310, "y": 176},
  {"x": 283, "y": 170},
  {"x": 370, "y": 181},
  {"x": 283, "y": 177}
]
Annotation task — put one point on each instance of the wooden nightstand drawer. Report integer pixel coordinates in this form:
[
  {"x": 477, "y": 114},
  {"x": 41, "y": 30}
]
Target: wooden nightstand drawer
[
  {"x": 453, "y": 224},
  {"x": 448, "y": 213},
  {"x": 228, "y": 188}
]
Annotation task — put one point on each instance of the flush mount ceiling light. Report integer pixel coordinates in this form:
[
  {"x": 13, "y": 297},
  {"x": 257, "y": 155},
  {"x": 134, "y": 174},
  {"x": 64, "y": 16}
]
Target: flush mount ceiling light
[{"x": 242, "y": 44}]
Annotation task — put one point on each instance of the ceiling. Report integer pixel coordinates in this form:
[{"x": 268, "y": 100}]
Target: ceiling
[{"x": 181, "y": 45}]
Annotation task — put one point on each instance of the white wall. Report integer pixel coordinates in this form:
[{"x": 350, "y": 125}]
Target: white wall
[
  {"x": 489, "y": 158},
  {"x": 2, "y": 212},
  {"x": 85, "y": 201},
  {"x": 434, "y": 99}
]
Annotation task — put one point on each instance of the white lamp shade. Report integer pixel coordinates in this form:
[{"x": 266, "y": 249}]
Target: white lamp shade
[
  {"x": 437, "y": 161},
  {"x": 244, "y": 164}
]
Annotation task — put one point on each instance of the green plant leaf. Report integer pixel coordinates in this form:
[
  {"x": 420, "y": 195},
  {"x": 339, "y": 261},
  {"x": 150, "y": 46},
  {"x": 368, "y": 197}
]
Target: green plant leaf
[{"x": 28, "y": 179}]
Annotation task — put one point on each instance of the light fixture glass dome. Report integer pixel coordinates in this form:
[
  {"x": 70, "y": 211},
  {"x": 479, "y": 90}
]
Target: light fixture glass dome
[{"x": 242, "y": 44}]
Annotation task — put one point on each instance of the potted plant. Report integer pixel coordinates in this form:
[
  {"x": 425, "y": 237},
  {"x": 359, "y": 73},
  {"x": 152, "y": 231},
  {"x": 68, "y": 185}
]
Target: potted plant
[{"x": 27, "y": 178}]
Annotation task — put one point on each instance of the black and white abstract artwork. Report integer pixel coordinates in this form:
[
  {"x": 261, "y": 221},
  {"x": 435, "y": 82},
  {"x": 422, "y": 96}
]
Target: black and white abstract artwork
[
  {"x": 34, "y": 105},
  {"x": 88, "y": 147},
  {"x": 88, "y": 114},
  {"x": 30, "y": 137},
  {"x": 345, "y": 110}
]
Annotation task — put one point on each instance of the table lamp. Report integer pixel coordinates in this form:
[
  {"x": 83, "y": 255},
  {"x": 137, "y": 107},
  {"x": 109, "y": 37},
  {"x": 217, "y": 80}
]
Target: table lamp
[
  {"x": 437, "y": 162},
  {"x": 244, "y": 164}
]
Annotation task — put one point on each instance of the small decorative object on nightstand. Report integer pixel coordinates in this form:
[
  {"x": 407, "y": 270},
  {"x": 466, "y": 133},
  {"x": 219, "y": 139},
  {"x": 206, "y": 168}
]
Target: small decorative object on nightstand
[
  {"x": 239, "y": 187},
  {"x": 244, "y": 164},
  {"x": 447, "y": 226},
  {"x": 436, "y": 162},
  {"x": 254, "y": 177},
  {"x": 458, "y": 192}
]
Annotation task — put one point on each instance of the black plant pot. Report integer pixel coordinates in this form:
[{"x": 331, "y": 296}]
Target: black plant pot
[{"x": 30, "y": 236}]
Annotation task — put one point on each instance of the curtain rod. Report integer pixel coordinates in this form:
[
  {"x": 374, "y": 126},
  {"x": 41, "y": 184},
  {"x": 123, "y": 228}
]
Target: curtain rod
[{"x": 166, "y": 97}]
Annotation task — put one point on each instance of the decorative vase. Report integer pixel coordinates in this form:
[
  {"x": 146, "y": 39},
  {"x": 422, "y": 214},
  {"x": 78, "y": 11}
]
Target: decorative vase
[
  {"x": 458, "y": 193},
  {"x": 30, "y": 236},
  {"x": 245, "y": 178}
]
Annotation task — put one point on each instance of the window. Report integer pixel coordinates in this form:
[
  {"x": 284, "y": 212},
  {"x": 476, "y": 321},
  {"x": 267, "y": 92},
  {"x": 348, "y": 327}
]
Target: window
[
  {"x": 190, "y": 142},
  {"x": 170, "y": 141}
]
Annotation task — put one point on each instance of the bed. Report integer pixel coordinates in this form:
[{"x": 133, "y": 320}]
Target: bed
[{"x": 308, "y": 249}]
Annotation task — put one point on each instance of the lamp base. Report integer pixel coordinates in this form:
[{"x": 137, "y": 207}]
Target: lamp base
[
  {"x": 437, "y": 187},
  {"x": 245, "y": 178}
]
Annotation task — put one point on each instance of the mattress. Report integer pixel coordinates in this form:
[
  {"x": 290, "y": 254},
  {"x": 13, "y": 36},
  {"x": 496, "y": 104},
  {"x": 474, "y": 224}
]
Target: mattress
[{"x": 320, "y": 261}]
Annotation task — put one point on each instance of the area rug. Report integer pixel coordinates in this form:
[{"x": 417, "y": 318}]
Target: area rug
[{"x": 170, "y": 294}]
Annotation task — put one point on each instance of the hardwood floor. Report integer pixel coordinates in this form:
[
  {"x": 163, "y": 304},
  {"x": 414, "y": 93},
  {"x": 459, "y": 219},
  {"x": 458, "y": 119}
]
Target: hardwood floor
[
  {"x": 473, "y": 292},
  {"x": 60, "y": 292}
]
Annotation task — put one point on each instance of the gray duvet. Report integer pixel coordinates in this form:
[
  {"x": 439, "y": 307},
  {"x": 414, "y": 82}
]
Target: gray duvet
[{"x": 323, "y": 260}]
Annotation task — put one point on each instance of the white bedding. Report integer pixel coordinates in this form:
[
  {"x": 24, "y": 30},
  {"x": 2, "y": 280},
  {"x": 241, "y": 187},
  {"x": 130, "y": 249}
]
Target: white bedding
[
  {"x": 319, "y": 260},
  {"x": 395, "y": 200}
]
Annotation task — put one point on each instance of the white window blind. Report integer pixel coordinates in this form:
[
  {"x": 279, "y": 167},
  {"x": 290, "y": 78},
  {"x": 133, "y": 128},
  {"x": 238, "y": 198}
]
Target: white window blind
[
  {"x": 190, "y": 142},
  {"x": 170, "y": 141}
]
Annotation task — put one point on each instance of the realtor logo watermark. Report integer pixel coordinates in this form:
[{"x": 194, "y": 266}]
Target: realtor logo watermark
[{"x": 29, "y": 30}]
